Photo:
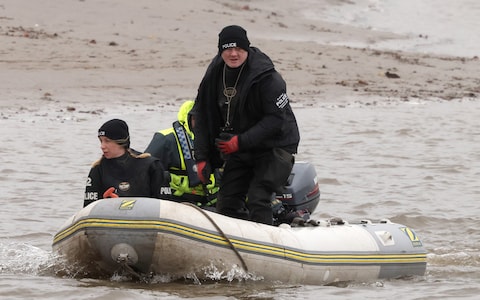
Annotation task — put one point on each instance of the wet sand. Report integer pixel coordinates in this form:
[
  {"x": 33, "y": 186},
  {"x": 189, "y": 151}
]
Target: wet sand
[{"x": 98, "y": 55}]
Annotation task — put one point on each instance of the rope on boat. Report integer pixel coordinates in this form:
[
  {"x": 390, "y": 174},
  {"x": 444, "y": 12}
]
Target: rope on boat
[{"x": 244, "y": 265}]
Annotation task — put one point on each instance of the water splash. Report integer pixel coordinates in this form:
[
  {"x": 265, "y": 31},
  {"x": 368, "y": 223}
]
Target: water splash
[
  {"x": 235, "y": 273},
  {"x": 23, "y": 258},
  {"x": 212, "y": 273}
]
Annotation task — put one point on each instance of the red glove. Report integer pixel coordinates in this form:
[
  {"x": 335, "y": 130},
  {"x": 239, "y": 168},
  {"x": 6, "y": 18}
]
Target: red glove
[
  {"x": 110, "y": 193},
  {"x": 227, "y": 143},
  {"x": 203, "y": 171}
]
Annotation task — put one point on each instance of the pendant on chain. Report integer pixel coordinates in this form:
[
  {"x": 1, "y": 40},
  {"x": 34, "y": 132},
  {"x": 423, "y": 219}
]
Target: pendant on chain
[{"x": 229, "y": 93}]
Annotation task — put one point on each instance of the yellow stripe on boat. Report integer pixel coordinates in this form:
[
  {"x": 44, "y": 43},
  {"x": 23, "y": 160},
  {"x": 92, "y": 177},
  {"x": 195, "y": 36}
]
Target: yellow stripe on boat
[{"x": 216, "y": 239}]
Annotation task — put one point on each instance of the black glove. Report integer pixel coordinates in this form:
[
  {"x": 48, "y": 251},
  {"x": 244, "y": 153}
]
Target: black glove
[{"x": 166, "y": 178}]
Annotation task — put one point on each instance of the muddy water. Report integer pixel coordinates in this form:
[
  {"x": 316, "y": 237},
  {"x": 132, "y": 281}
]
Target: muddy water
[{"x": 414, "y": 163}]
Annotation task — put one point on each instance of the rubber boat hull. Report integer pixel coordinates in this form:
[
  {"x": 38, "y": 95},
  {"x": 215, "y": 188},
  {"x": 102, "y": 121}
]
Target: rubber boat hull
[{"x": 163, "y": 237}]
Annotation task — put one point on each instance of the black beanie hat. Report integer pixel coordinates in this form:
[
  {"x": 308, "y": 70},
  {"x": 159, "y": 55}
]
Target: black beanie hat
[
  {"x": 233, "y": 36},
  {"x": 116, "y": 130}
]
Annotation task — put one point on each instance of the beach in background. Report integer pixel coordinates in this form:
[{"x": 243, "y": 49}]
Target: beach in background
[
  {"x": 439, "y": 27},
  {"x": 93, "y": 53}
]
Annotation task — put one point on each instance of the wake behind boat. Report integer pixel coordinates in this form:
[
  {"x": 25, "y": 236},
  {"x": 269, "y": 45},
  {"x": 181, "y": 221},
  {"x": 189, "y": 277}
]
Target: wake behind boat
[{"x": 152, "y": 236}]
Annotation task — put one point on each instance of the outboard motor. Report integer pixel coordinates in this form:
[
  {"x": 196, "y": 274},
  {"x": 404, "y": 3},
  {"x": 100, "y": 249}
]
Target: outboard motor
[{"x": 300, "y": 195}]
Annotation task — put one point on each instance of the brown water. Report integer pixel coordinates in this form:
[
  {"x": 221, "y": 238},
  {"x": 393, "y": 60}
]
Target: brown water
[{"x": 414, "y": 163}]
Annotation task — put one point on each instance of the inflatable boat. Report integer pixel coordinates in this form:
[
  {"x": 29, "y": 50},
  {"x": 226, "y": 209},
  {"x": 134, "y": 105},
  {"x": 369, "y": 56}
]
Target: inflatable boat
[{"x": 179, "y": 240}]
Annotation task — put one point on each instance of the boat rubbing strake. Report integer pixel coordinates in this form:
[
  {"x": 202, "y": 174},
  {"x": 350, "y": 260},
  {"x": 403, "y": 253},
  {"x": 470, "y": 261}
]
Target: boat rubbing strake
[{"x": 153, "y": 236}]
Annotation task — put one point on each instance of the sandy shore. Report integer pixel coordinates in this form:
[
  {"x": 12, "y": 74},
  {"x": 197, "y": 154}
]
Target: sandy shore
[{"x": 94, "y": 54}]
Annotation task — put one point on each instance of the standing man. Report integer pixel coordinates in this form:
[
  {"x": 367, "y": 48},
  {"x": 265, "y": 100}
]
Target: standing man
[{"x": 245, "y": 123}]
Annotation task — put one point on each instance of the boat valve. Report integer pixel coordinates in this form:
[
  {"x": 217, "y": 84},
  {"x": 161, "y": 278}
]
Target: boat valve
[{"x": 124, "y": 253}]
